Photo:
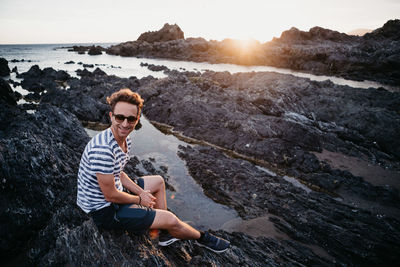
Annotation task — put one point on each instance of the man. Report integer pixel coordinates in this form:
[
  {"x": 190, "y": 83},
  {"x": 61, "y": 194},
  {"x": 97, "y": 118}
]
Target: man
[{"x": 101, "y": 181}]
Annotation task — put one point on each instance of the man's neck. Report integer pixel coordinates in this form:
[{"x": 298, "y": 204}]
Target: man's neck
[{"x": 120, "y": 141}]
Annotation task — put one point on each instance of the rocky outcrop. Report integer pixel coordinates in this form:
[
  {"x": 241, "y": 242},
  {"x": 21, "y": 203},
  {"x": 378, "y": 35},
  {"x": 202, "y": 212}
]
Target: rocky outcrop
[
  {"x": 166, "y": 33},
  {"x": 153, "y": 67},
  {"x": 4, "y": 69},
  {"x": 37, "y": 80},
  {"x": 309, "y": 218},
  {"x": 254, "y": 117},
  {"x": 281, "y": 119},
  {"x": 81, "y": 49},
  {"x": 41, "y": 224},
  {"x": 6, "y": 93},
  {"x": 95, "y": 50},
  {"x": 374, "y": 56}
]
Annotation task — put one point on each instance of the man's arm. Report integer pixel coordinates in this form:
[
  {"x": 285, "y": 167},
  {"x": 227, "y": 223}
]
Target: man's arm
[
  {"x": 130, "y": 185},
  {"x": 111, "y": 193},
  {"x": 147, "y": 199}
]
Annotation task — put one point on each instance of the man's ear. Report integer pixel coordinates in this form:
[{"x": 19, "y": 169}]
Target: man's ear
[{"x": 110, "y": 115}]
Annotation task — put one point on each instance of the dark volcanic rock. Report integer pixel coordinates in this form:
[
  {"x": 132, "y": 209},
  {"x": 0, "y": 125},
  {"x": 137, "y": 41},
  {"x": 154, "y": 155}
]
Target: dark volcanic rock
[
  {"x": 6, "y": 93},
  {"x": 95, "y": 50},
  {"x": 280, "y": 119},
  {"x": 166, "y": 33},
  {"x": 92, "y": 50},
  {"x": 86, "y": 98},
  {"x": 310, "y": 218},
  {"x": 39, "y": 155},
  {"x": 41, "y": 224},
  {"x": 37, "y": 80},
  {"x": 267, "y": 117},
  {"x": 153, "y": 67},
  {"x": 4, "y": 69}
]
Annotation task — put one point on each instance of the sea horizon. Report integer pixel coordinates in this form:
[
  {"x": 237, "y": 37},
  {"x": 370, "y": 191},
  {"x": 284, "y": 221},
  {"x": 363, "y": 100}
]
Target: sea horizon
[{"x": 76, "y": 43}]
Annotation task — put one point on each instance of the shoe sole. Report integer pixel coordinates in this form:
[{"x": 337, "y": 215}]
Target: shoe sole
[
  {"x": 204, "y": 246},
  {"x": 168, "y": 242}
]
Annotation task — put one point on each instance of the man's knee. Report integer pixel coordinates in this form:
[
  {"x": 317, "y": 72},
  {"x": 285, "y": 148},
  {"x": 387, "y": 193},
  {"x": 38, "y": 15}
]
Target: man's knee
[
  {"x": 160, "y": 181},
  {"x": 172, "y": 221}
]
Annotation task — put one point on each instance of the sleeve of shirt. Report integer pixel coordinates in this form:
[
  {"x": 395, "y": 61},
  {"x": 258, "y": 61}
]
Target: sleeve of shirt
[{"x": 102, "y": 160}]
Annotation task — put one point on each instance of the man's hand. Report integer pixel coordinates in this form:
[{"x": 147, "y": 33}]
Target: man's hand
[{"x": 147, "y": 199}]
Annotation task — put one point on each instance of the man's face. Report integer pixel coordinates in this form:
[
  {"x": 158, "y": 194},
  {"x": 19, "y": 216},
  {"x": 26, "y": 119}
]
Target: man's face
[{"x": 124, "y": 119}]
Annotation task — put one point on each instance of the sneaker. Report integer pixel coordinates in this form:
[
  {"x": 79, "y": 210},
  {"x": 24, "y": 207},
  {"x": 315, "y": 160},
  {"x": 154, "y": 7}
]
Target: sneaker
[
  {"x": 165, "y": 239},
  {"x": 213, "y": 243}
]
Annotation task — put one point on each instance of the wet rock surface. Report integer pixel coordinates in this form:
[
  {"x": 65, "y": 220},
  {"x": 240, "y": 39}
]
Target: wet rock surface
[
  {"x": 374, "y": 56},
  {"x": 280, "y": 120},
  {"x": 266, "y": 117},
  {"x": 310, "y": 218}
]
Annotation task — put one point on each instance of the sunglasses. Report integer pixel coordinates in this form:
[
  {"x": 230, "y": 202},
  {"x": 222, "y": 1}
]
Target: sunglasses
[{"x": 121, "y": 118}]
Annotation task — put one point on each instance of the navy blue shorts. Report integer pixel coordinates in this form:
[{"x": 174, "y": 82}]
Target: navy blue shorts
[{"x": 134, "y": 218}]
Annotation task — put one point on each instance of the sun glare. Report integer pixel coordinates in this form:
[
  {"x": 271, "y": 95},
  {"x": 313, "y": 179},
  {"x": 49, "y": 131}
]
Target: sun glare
[{"x": 247, "y": 45}]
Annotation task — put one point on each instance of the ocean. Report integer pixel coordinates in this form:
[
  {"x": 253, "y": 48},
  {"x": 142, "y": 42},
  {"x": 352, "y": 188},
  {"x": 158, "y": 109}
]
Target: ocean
[{"x": 56, "y": 55}]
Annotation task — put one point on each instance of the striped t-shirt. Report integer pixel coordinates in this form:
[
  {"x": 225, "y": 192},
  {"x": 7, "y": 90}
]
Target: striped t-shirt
[{"x": 102, "y": 155}]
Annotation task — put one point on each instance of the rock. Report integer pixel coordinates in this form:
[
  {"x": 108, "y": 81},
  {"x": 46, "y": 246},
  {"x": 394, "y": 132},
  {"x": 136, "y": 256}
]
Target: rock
[
  {"x": 307, "y": 218},
  {"x": 83, "y": 72},
  {"x": 98, "y": 71},
  {"x": 22, "y": 60},
  {"x": 390, "y": 30},
  {"x": 88, "y": 65},
  {"x": 374, "y": 56},
  {"x": 69, "y": 62},
  {"x": 165, "y": 34},
  {"x": 32, "y": 97},
  {"x": 263, "y": 118},
  {"x": 37, "y": 80},
  {"x": 6, "y": 93},
  {"x": 15, "y": 69},
  {"x": 153, "y": 67},
  {"x": 262, "y": 115},
  {"x": 95, "y": 50},
  {"x": 37, "y": 166},
  {"x": 4, "y": 69}
]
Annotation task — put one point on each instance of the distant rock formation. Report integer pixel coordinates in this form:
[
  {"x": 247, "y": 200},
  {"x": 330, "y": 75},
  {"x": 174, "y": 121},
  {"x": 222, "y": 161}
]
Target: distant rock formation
[
  {"x": 374, "y": 56},
  {"x": 95, "y": 50},
  {"x": 167, "y": 33},
  {"x": 92, "y": 50}
]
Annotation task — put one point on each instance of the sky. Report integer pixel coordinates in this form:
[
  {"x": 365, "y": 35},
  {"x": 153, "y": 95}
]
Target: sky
[{"x": 100, "y": 21}]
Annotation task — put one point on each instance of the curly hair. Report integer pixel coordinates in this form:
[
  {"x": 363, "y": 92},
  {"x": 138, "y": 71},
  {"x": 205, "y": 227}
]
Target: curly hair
[{"x": 125, "y": 95}]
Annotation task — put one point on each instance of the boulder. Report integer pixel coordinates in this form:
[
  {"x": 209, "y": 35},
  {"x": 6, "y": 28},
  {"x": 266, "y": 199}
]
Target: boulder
[
  {"x": 95, "y": 50},
  {"x": 4, "y": 69},
  {"x": 6, "y": 93},
  {"x": 165, "y": 34}
]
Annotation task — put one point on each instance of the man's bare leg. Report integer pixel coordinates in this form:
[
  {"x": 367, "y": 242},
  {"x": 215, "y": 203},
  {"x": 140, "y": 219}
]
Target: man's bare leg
[
  {"x": 156, "y": 185},
  {"x": 168, "y": 221}
]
